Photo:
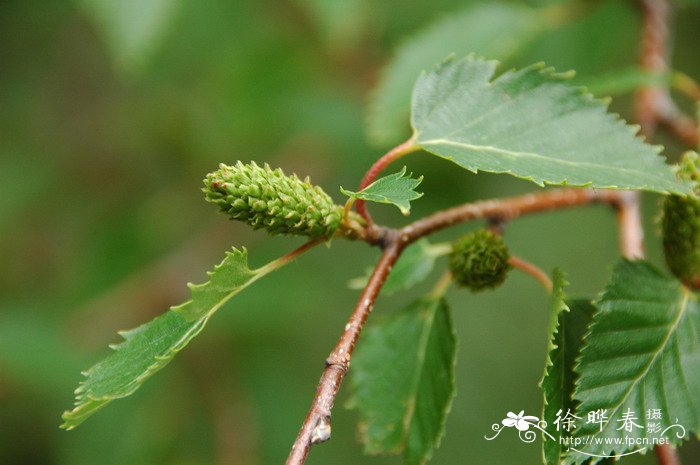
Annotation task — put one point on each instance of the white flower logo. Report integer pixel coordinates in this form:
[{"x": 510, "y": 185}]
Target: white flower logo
[{"x": 520, "y": 421}]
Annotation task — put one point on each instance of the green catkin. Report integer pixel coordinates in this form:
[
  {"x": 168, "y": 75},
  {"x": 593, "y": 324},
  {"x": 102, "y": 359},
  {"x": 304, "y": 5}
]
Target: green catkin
[
  {"x": 479, "y": 260},
  {"x": 681, "y": 226},
  {"x": 269, "y": 199}
]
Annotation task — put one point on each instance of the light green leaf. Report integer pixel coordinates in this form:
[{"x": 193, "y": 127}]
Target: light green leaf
[
  {"x": 414, "y": 265},
  {"x": 494, "y": 29},
  {"x": 150, "y": 347},
  {"x": 403, "y": 379},
  {"x": 533, "y": 125},
  {"x": 568, "y": 324},
  {"x": 395, "y": 189},
  {"x": 642, "y": 352}
]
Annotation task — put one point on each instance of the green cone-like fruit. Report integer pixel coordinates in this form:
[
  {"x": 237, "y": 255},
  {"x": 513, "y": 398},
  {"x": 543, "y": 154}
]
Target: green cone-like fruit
[
  {"x": 681, "y": 226},
  {"x": 479, "y": 260},
  {"x": 269, "y": 199}
]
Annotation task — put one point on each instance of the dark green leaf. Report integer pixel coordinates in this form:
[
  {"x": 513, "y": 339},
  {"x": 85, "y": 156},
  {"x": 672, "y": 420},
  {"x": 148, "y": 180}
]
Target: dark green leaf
[
  {"x": 403, "y": 378},
  {"x": 150, "y": 347},
  {"x": 642, "y": 352},
  {"x": 396, "y": 189},
  {"x": 569, "y": 322},
  {"x": 533, "y": 125}
]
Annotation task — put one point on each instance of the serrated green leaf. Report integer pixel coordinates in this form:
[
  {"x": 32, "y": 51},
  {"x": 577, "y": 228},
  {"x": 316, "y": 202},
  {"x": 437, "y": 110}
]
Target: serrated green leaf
[
  {"x": 642, "y": 352},
  {"x": 396, "y": 189},
  {"x": 531, "y": 124},
  {"x": 403, "y": 379},
  {"x": 555, "y": 390},
  {"x": 568, "y": 324},
  {"x": 494, "y": 29},
  {"x": 414, "y": 265},
  {"x": 558, "y": 384},
  {"x": 151, "y": 346}
]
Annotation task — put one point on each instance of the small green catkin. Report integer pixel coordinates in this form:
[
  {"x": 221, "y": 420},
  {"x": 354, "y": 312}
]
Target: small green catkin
[
  {"x": 479, "y": 260},
  {"x": 269, "y": 199},
  {"x": 681, "y": 226}
]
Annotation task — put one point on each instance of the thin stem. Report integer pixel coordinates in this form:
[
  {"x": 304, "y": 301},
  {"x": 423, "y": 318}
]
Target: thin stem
[
  {"x": 442, "y": 285},
  {"x": 347, "y": 208},
  {"x": 667, "y": 455},
  {"x": 654, "y": 104},
  {"x": 686, "y": 85},
  {"x": 317, "y": 424},
  {"x": 653, "y": 55},
  {"x": 629, "y": 220},
  {"x": 533, "y": 270},
  {"x": 671, "y": 117},
  {"x": 439, "y": 249},
  {"x": 273, "y": 265},
  {"x": 649, "y": 102},
  {"x": 394, "y": 154}
]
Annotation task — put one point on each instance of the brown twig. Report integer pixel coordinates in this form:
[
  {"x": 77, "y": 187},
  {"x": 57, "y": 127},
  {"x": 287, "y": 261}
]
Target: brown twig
[
  {"x": 652, "y": 104},
  {"x": 649, "y": 103},
  {"x": 317, "y": 425},
  {"x": 629, "y": 220},
  {"x": 672, "y": 118},
  {"x": 507, "y": 209},
  {"x": 653, "y": 54},
  {"x": 666, "y": 455}
]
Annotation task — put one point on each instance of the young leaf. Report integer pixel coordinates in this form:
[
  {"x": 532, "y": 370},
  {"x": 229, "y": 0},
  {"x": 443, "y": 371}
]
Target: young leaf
[
  {"x": 403, "y": 378},
  {"x": 494, "y": 29},
  {"x": 642, "y": 353},
  {"x": 395, "y": 189},
  {"x": 569, "y": 321},
  {"x": 533, "y": 125},
  {"x": 414, "y": 265},
  {"x": 150, "y": 347}
]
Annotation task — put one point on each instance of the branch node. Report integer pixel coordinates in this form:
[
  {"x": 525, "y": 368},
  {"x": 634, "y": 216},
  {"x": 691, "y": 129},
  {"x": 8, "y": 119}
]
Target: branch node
[
  {"x": 322, "y": 431},
  {"x": 497, "y": 224},
  {"x": 342, "y": 365},
  {"x": 386, "y": 236}
]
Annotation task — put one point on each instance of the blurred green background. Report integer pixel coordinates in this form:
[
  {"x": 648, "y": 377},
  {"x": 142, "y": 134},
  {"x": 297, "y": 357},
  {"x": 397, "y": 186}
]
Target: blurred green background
[{"x": 111, "y": 113}]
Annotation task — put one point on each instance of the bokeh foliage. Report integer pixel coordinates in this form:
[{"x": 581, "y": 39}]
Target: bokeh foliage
[{"x": 110, "y": 115}]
